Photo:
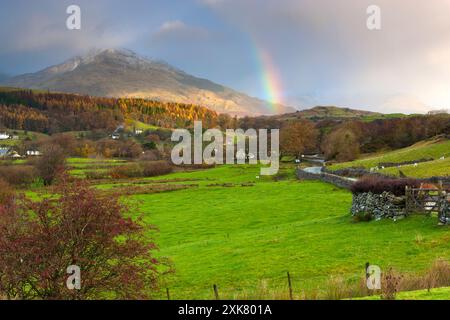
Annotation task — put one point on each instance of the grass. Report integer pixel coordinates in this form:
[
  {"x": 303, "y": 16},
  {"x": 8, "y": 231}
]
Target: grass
[
  {"x": 239, "y": 237},
  {"x": 22, "y": 135},
  {"x": 9, "y": 143},
  {"x": 433, "y": 294},
  {"x": 426, "y": 149},
  {"x": 130, "y": 124},
  {"x": 79, "y": 166},
  {"x": 384, "y": 116},
  {"x": 243, "y": 232},
  {"x": 436, "y": 168}
]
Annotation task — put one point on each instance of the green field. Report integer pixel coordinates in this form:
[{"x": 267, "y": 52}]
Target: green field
[
  {"x": 434, "y": 149},
  {"x": 245, "y": 238},
  {"x": 243, "y": 232},
  {"x": 422, "y": 170},
  {"x": 385, "y": 116},
  {"x": 130, "y": 124},
  {"x": 22, "y": 135}
]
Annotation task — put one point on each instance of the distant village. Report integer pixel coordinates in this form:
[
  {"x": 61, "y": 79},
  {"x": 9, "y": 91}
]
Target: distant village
[{"x": 9, "y": 152}]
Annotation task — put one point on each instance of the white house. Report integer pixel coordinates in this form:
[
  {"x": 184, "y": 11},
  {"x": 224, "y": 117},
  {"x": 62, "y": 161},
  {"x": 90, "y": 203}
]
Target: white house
[
  {"x": 14, "y": 155},
  {"x": 4, "y": 136},
  {"x": 31, "y": 153}
]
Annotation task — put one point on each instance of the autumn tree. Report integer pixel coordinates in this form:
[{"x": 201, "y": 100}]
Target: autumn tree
[
  {"x": 296, "y": 137},
  {"x": 225, "y": 121},
  {"x": 342, "y": 144},
  {"x": 51, "y": 163},
  {"x": 83, "y": 228}
]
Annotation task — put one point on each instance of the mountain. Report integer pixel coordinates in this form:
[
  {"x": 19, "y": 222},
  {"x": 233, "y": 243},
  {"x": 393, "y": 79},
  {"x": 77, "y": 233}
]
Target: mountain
[{"x": 123, "y": 73}]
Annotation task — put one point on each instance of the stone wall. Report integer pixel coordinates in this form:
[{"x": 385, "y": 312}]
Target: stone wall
[
  {"x": 359, "y": 172},
  {"x": 444, "y": 215},
  {"x": 385, "y": 205},
  {"x": 338, "y": 181}
]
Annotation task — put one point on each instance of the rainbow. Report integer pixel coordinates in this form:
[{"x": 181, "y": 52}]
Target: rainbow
[{"x": 271, "y": 79}]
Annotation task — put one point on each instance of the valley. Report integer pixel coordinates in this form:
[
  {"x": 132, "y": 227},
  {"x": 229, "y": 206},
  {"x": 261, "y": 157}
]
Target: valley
[{"x": 227, "y": 225}]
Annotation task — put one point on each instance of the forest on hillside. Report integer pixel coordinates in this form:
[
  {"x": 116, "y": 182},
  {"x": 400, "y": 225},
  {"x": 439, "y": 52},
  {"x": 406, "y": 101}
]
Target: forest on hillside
[
  {"x": 54, "y": 112},
  {"x": 336, "y": 138},
  {"x": 345, "y": 139}
]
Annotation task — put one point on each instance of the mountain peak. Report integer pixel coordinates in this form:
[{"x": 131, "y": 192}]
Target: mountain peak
[{"x": 124, "y": 73}]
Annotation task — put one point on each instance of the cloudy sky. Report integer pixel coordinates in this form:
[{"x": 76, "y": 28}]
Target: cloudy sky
[{"x": 296, "y": 52}]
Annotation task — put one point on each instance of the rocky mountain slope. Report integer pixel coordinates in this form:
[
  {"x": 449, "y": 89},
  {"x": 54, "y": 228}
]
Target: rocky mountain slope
[{"x": 123, "y": 73}]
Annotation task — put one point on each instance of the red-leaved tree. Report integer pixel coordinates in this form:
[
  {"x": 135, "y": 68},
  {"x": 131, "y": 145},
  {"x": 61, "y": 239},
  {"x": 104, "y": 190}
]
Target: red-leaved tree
[{"x": 81, "y": 227}]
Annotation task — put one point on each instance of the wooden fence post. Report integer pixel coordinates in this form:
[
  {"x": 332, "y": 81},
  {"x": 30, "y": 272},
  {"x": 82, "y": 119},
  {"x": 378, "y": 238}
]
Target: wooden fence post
[
  {"x": 168, "y": 294},
  {"x": 407, "y": 200},
  {"x": 290, "y": 286},
  {"x": 366, "y": 271},
  {"x": 216, "y": 292}
]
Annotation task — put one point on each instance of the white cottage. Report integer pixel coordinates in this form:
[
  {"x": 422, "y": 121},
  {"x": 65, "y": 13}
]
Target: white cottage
[
  {"x": 4, "y": 136},
  {"x": 31, "y": 153}
]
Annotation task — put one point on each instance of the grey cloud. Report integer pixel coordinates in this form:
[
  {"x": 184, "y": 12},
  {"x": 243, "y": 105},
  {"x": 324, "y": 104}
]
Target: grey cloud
[{"x": 325, "y": 44}]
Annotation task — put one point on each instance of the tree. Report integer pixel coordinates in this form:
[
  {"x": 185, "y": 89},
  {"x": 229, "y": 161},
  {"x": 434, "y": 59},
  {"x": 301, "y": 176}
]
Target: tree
[
  {"x": 39, "y": 241},
  {"x": 51, "y": 163},
  {"x": 342, "y": 144},
  {"x": 297, "y": 137},
  {"x": 225, "y": 121}
]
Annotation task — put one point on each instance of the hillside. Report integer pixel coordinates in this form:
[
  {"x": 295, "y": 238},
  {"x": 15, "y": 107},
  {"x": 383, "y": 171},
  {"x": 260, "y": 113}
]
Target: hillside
[
  {"x": 329, "y": 112},
  {"x": 56, "y": 112},
  {"x": 433, "y": 149},
  {"x": 122, "y": 73}
]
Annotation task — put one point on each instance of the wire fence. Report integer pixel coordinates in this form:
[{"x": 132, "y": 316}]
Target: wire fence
[{"x": 285, "y": 286}]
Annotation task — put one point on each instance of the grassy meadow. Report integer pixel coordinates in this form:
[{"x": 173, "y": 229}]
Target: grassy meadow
[
  {"x": 433, "y": 168},
  {"x": 431, "y": 149},
  {"x": 231, "y": 227}
]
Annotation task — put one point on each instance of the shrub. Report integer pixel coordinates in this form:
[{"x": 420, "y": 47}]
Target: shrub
[
  {"x": 6, "y": 192},
  {"x": 133, "y": 170},
  {"x": 151, "y": 155},
  {"x": 149, "y": 145},
  {"x": 156, "y": 168},
  {"x": 362, "y": 217},
  {"x": 51, "y": 163},
  {"x": 96, "y": 174},
  {"x": 18, "y": 175},
  {"x": 390, "y": 285},
  {"x": 128, "y": 149},
  {"x": 378, "y": 185},
  {"x": 438, "y": 275},
  {"x": 40, "y": 240},
  {"x": 141, "y": 169}
]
